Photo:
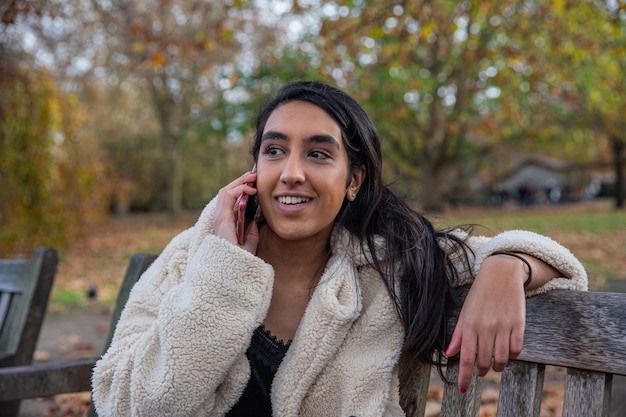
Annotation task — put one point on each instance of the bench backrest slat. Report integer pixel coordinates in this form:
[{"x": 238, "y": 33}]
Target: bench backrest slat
[
  {"x": 5, "y": 303},
  {"x": 584, "y": 332},
  {"x": 587, "y": 393},
  {"x": 136, "y": 267},
  {"x": 25, "y": 286},
  {"x": 414, "y": 391},
  {"x": 521, "y": 388},
  {"x": 574, "y": 329},
  {"x": 17, "y": 286},
  {"x": 138, "y": 264},
  {"x": 454, "y": 402}
]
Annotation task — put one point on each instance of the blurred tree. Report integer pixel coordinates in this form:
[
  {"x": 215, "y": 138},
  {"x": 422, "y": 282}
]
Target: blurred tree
[
  {"x": 123, "y": 124},
  {"x": 50, "y": 178},
  {"x": 595, "y": 81},
  {"x": 50, "y": 181},
  {"x": 185, "y": 55},
  {"x": 570, "y": 68},
  {"x": 448, "y": 81},
  {"x": 425, "y": 72},
  {"x": 162, "y": 83}
]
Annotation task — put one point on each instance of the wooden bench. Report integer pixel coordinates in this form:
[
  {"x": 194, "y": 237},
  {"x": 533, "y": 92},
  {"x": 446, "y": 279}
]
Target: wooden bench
[
  {"x": 24, "y": 291},
  {"x": 48, "y": 379},
  {"x": 584, "y": 332}
]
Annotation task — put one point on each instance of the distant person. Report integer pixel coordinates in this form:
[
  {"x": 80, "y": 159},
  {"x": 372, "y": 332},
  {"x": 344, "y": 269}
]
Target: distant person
[
  {"x": 338, "y": 282},
  {"x": 499, "y": 196},
  {"x": 525, "y": 195}
]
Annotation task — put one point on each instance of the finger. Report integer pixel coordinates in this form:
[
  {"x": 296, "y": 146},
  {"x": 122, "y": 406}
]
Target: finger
[
  {"x": 252, "y": 238},
  {"x": 466, "y": 360},
  {"x": 226, "y": 206},
  {"x": 455, "y": 343},
  {"x": 244, "y": 179},
  {"x": 484, "y": 354},
  {"x": 228, "y": 195},
  {"x": 517, "y": 342},
  {"x": 243, "y": 184},
  {"x": 501, "y": 351}
]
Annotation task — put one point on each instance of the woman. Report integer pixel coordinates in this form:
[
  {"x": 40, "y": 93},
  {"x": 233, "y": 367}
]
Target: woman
[{"x": 338, "y": 280}]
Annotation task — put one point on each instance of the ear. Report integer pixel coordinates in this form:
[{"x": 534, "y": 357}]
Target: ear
[{"x": 356, "y": 180}]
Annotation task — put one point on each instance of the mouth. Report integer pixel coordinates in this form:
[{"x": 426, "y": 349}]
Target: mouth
[{"x": 291, "y": 200}]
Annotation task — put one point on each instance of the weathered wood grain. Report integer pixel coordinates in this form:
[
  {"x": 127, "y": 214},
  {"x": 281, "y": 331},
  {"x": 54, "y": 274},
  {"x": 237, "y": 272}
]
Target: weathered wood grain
[
  {"x": 455, "y": 403},
  {"x": 25, "y": 287},
  {"x": 584, "y": 330},
  {"x": 45, "y": 379},
  {"x": 414, "y": 388},
  {"x": 521, "y": 390},
  {"x": 587, "y": 394}
]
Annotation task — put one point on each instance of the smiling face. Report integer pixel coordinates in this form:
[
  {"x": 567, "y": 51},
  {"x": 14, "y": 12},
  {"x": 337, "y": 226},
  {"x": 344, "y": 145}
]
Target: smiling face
[{"x": 303, "y": 176}]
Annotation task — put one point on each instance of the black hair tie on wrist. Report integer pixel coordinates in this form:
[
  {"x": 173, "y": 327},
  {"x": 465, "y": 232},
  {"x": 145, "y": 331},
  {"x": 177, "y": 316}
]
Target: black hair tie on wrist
[{"x": 521, "y": 258}]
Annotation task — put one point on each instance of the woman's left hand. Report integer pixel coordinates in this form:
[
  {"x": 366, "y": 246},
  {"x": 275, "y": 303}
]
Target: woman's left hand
[{"x": 490, "y": 329}]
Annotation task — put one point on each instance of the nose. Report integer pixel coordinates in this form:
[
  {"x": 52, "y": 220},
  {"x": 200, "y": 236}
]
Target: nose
[{"x": 293, "y": 170}]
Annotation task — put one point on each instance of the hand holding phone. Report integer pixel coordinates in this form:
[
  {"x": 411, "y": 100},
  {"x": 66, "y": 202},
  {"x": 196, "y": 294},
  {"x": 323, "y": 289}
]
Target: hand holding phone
[{"x": 247, "y": 206}]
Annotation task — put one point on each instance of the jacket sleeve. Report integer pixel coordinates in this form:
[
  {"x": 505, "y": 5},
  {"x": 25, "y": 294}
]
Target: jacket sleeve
[
  {"x": 182, "y": 336},
  {"x": 573, "y": 274}
]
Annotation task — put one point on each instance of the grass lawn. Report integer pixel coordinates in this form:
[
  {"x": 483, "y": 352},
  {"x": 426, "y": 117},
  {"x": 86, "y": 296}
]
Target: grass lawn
[{"x": 593, "y": 231}]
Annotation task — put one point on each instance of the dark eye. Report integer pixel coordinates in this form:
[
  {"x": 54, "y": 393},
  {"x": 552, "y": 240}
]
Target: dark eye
[
  {"x": 272, "y": 150},
  {"x": 319, "y": 155}
]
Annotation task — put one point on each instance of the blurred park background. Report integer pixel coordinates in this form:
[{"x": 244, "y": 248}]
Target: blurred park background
[{"x": 120, "y": 119}]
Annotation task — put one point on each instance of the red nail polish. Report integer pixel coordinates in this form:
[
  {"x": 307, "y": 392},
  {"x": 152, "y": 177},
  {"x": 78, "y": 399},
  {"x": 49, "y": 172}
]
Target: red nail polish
[{"x": 463, "y": 390}]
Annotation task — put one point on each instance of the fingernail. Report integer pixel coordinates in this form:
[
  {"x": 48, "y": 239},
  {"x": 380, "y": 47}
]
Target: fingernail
[{"x": 463, "y": 390}]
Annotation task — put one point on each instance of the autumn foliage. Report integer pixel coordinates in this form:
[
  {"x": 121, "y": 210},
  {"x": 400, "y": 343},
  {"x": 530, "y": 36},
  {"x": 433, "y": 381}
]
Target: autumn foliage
[
  {"x": 50, "y": 181},
  {"x": 159, "y": 97}
]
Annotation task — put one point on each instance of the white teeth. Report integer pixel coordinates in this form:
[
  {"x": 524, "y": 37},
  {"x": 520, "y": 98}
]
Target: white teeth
[{"x": 292, "y": 200}]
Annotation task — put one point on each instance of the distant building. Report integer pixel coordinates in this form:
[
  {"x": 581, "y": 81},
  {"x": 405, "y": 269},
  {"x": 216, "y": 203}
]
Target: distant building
[{"x": 540, "y": 179}]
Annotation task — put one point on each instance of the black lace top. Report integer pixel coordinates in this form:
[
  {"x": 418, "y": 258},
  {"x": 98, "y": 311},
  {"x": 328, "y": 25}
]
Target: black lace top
[{"x": 265, "y": 354}]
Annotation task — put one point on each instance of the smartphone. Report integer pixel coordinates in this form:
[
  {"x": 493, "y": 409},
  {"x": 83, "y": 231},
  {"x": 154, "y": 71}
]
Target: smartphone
[{"x": 247, "y": 206}]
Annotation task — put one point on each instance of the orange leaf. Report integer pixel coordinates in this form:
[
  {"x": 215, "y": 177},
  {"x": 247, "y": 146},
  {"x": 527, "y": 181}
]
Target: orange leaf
[
  {"x": 234, "y": 79},
  {"x": 157, "y": 60}
]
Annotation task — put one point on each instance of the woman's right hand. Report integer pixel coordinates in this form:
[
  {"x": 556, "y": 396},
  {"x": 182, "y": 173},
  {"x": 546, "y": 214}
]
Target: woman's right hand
[{"x": 226, "y": 212}]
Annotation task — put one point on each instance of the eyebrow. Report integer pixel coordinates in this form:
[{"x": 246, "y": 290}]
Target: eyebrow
[{"x": 317, "y": 138}]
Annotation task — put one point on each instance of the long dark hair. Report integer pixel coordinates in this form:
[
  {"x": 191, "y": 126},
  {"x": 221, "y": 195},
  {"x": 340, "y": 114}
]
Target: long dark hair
[{"x": 415, "y": 269}]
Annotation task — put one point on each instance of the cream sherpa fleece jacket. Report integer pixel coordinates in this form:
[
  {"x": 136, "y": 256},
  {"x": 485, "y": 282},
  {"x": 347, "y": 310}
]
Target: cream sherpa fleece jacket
[{"x": 179, "y": 347}]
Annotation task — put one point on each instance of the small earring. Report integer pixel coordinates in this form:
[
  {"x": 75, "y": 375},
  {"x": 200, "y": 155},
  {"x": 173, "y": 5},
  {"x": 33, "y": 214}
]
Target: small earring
[{"x": 353, "y": 195}]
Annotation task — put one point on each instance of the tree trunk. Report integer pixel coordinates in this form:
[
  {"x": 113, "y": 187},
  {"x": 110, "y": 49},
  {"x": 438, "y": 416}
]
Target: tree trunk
[
  {"x": 618, "y": 158},
  {"x": 176, "y": 178},
  {"x": 433, "y": 191}
]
